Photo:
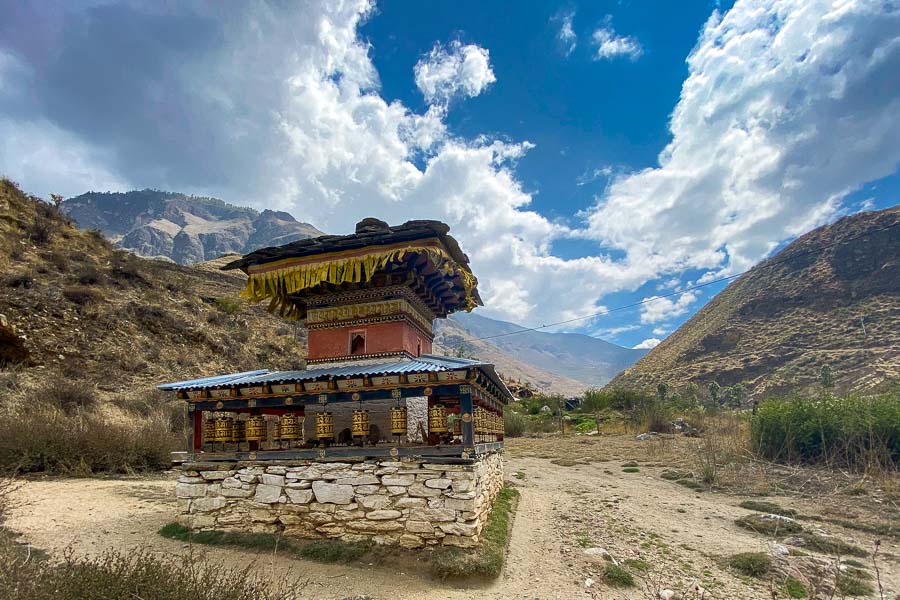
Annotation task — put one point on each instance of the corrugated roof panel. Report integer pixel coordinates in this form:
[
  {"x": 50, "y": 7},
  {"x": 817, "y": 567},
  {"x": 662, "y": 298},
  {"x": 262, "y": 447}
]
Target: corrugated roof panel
[
  {"x": 427, "y": 363},
  {"x": 211, "y": 381}
]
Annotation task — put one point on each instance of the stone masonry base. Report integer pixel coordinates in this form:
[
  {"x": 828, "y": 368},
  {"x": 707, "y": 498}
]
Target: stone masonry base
[{"x": 412, "y": 504}]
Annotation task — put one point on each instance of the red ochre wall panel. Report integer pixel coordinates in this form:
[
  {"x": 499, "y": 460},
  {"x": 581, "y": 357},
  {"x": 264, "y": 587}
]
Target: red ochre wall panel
[{"x": 394, "y": 336}]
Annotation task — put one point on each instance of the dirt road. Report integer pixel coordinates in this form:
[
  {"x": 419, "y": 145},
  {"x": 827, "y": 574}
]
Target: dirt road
[{"x": 667, "y": 535}]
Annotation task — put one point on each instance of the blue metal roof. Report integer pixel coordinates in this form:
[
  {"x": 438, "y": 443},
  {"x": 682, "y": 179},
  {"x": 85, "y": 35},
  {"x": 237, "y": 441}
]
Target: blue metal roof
[{"x": 423, "y": 364}]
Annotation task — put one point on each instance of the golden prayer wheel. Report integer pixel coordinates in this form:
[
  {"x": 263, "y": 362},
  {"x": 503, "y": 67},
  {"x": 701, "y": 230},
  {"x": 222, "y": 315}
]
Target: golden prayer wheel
[
  {"x": 457, "y": 426},
  {"x": 290, "y": 427},
  {"x": 496, "y": 424},
  {"x": 256, "y": 429},
  {"x": 209, "y": 432},
  {"x": 437, "y": 419},
  {"x": 360, "y": 423},
  {"x": 223, "y": 430},
  {"x": 398, "y": 420},
  {"x": 324, "y": 426},
  {"x": 276, "y": 432},
  {"x": 480, "y": 425},
  {"x": 239, "y": 434}
]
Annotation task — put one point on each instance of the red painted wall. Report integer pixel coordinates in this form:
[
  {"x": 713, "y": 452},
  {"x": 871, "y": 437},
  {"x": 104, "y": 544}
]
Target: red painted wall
[{"x": 394, "y": 336}]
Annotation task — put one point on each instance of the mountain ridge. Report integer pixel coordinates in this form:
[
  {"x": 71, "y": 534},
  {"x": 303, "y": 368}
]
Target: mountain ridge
[
  {"x": 185, "y": 229},
  {"x": 831, "y": 297}
]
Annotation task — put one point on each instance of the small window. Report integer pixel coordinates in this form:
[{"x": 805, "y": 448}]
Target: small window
[{"x": 357, "y": 343}]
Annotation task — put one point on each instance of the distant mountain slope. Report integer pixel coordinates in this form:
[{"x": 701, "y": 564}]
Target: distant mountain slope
[
  {"x": 775, "y": 327},
  {"x": 187, "y": 229},
  {"x": 575, "y": 361}
]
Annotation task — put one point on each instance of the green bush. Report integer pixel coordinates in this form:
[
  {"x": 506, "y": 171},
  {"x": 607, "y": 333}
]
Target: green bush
[
  {"x": 752, "y": 564},
  {"x": 855, "y": 432},
  {"x": 514, "y": 424}
]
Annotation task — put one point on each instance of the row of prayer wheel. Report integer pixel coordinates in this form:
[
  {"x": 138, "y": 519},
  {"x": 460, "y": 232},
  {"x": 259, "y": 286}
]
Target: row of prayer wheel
[
  {"x": 289, "y": 427},
  {"x": 228, "y": 430},
  {"x": 487, "y": 422}
]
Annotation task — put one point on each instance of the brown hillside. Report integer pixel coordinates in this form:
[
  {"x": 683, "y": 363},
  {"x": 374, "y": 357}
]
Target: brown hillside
[
  {"x": 86, "y": 311},
  {"x": 775, "y": 327}
]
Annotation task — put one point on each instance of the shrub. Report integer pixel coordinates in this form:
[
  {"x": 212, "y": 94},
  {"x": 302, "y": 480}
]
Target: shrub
[
  {"x": 82, "y": 296},
  {"x": 616, "y": 576},
  {"x": 89, "y": 275},
  {"x": 22, "y": 280},
  {"x": 752, "y": 564},
  {"x": 68, "y": 395},
  {"x": 772, "y": 525},
  {"x": 855, "y": 432},
  {"x": 134, "y": 575},
  {"x": 40, "y": 437},
  {"x": 41, "y": 229},
  {"x": 514, "y": 424},
  {"x": 229, "y": 306}
]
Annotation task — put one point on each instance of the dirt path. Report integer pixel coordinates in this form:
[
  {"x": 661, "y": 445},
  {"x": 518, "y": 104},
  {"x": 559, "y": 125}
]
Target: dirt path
[{"x": 670, "y": 536}]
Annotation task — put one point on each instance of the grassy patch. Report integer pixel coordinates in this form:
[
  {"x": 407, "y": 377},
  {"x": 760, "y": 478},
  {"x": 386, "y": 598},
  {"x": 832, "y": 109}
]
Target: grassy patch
[
  {"x": 639, "y": 565},
  {"x": 631, "y": 470},
  {"x": 138, "y": 574},
  {"x": 584, "y": 540},
  {"x": 752, "y": 564},
  {"x": 692, "y": 484},
  {"x": 327, "y": 551},
  {"x": 670, "y": 475},
  {"x": 768, "y": 507},
  {"x": 831, "y": 546},
  {"x": 519, "y": 475},
  {"x": 564, "y": 462},
  {"x": 851, "y": 585},
  {"x": 771, "y": 525},
  {"x": 616, "y": 576},
  {"x": 630, "y": 463},
  {"x": 794, "y": 588},
  {"x": 487, "y": 561}
]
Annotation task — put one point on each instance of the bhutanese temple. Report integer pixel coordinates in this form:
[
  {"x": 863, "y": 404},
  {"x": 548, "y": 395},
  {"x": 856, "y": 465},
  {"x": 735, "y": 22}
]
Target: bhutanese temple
[{"x": 377, "y": 438}]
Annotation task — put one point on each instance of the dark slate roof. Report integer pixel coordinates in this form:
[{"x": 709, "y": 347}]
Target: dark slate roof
[
  {"x": 369, "y": 232},
  {"x": 423, "y": 364}
]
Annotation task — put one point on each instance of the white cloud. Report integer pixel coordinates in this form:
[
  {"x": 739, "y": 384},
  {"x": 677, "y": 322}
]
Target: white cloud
[
  {"x": 611, "y": 45},
  {"x": 454, "y": 71},
  {"x": 566, "y": 36},
  {"x": 279, "y": 106},
  {"x": 648, "y": 344},
  {"x": 788, "y": 106},
  {"x": 660, "y": 331},
  {"x": 662, "y": 309}
]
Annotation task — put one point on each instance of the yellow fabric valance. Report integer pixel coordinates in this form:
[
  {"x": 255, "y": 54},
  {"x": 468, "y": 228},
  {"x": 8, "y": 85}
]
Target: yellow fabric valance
[{"x": 293, "y": 276}]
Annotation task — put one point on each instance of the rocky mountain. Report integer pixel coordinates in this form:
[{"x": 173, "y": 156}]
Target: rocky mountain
[
  {"x": 76, "y": 308},
  {"x": 832, "y": 297},
  {"x": 186, "y": 229},
  {"x": 566, "y": 363}
]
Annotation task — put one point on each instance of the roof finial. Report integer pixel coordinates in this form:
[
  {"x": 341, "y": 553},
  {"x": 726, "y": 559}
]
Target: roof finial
[{"x": 371, "y": 224}]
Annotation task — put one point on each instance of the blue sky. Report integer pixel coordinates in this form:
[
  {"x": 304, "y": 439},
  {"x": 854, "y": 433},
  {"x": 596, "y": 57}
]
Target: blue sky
[{"x": 586, "y": 154}]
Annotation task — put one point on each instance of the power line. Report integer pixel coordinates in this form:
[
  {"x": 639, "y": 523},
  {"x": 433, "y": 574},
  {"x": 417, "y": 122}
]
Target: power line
[{"x": 766, "y": 265}]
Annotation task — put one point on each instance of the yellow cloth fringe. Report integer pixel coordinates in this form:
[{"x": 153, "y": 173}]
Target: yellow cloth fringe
[{"x": 278, "y": 284}]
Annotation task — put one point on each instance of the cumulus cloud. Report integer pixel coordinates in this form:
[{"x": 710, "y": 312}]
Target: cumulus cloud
[
  {"x": 648, "y": 344},
  {"x": 788, "y": 106},
  {"x": 566, "y": 36},
  {"x": 611, "y": 45},
  {"x": 453, "y": 71},
  {"x": 662, "y": 309}
]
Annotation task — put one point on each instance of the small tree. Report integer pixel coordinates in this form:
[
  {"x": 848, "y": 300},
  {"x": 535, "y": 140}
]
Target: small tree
[
  {"x": 826, "y": 377},
  {"x": 595, "y": 402},
  {"x": 661, "y": 390},
  {"x": 735, "y": 396},
  {"x": 715, "y": 391},
  {"x": 56, "y": 200}
]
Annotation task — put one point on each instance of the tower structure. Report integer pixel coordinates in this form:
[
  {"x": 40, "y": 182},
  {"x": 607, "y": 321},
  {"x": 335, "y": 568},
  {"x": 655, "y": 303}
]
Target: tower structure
[{"x": 369, "y": 296}]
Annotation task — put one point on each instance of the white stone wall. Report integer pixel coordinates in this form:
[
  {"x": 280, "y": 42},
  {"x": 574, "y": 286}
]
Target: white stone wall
[{"x": 407, "y": 503}]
